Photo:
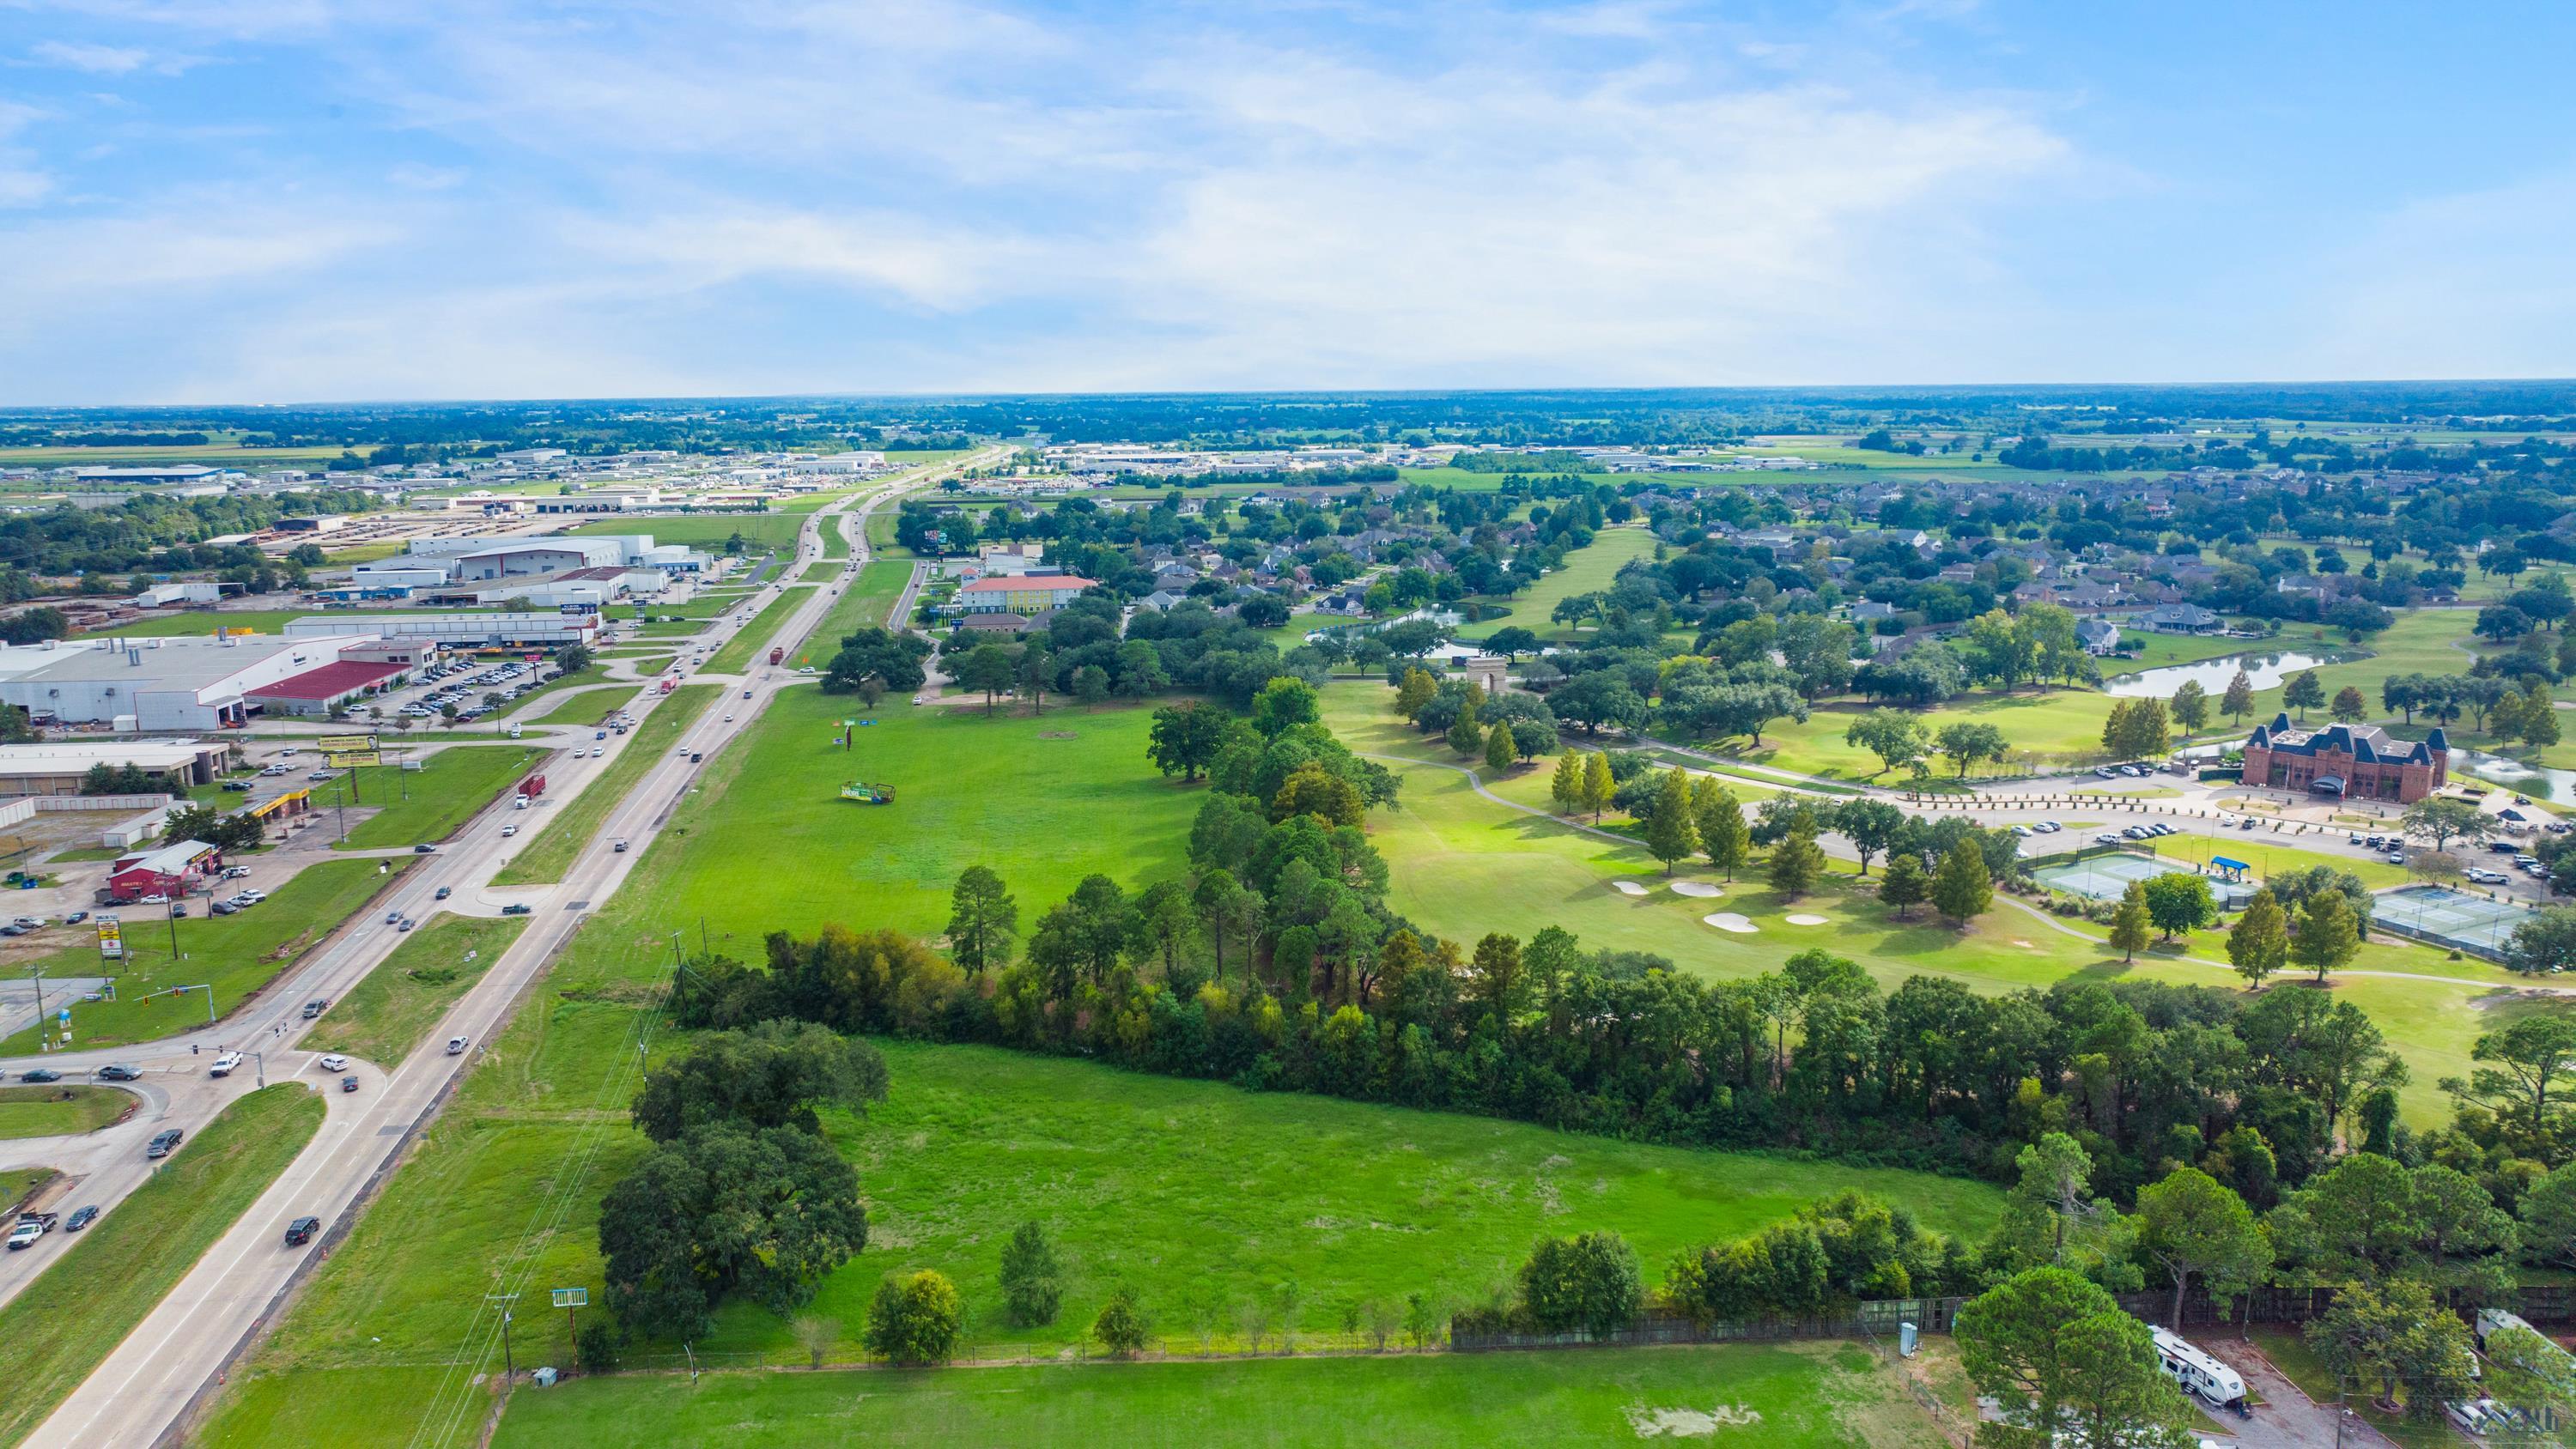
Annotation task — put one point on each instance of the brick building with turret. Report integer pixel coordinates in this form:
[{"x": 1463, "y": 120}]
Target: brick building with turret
[{"x": 2357, "y": 762}]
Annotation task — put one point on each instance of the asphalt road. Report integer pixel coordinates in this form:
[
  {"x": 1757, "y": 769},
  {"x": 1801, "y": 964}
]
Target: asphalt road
[{"x": 139, "y": 1392}]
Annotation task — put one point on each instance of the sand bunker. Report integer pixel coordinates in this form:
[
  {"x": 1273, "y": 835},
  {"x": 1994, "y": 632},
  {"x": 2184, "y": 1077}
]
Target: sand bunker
[
  {"x": 1730, "y": 921},
  {"x": 1690, "y": 1423},
  {"x": 1699, "y": 888},
  {"x": 1806, "y": 920},
  {"x": 1627, "y": 888}
]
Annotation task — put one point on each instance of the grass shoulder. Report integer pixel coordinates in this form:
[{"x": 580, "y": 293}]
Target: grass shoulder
[
  {"x": 386, "y": 1015},
  {"x": 59, "y": 1110},
  {"x": 68, "y": 1320}
]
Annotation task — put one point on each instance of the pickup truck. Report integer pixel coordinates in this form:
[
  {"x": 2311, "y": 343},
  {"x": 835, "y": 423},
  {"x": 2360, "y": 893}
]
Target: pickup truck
[
  {"x": 31, "y": 1226},
  {"x": 223, "y": 1065}
]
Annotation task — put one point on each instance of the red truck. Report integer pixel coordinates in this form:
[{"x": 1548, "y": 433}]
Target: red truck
[
  {"x": 533, "y": 786},
  {"x": 778, "y": 655},
  {"x": 669, "y": 683}
]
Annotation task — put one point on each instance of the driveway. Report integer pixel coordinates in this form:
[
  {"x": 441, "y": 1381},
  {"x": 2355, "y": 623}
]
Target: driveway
[{"x": 2288, "y": 1419}]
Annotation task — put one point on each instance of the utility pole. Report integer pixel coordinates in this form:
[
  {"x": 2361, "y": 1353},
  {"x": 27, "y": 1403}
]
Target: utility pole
[
  {"x": 676, "y": 962},
  {"x": 509, "y": 1365}
]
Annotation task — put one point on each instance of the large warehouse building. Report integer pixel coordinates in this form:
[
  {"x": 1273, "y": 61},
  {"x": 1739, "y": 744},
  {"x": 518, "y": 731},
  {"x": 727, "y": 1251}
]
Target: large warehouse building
[
  {"x": 181, "y": 684},
  {"x": 58, "y": 769}
]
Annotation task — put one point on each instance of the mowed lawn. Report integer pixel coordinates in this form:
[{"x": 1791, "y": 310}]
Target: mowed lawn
[
  {"x": 1589, "y": 569},
  {"x": 1795, "y": 1396},
  {"x": 92, "y": 1296},
  {"x": 58, "y": 1110},
  {"x": 1461, "y": 865},
  {"x": 755, "y": 636},
  {"x": 237, "y": 955},
  {"x": 384, "y": 1016},
  {"x": 508, "y": 1183},
  {"x": 427, "y": 804}
]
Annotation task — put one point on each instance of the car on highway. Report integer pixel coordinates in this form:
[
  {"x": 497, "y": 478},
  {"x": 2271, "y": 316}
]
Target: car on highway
[
  {"x": 407, "y": 924},
  {"x": 117, "y": 1072},
  {"x": 81, "y": 1217},
  {"x": 392, "y": 917},
  {"x": 456, "y": 1046},
  {"x": 443, "y": 893},
  {"x": 31, "y": 1226},
  {"x": 508, "y": 830},
  {"x": 316, "y": 1007},
  {"x": 223, "y": 1065},
  {"x": 621, "y": 847},
  {"x": 162, "y": 1142},
  {"x": 301, "y": 1231},
  {"x": 39, "y": 1074},
  {"x": 334, "y": 1062},
  {"x": 599, "y": 734}
]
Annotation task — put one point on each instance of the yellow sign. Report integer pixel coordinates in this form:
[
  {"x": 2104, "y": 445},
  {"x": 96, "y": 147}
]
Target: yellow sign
[
  {"x": 341, "y": 744},
  {"x": 111, "y": 945},
  {"x": 343, "y": 759}
]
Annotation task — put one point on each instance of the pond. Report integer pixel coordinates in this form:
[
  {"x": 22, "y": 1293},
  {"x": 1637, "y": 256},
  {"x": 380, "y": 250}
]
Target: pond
[
  {"x": 2266, "y": 670},
  {"x": 2536, "y": 781}
]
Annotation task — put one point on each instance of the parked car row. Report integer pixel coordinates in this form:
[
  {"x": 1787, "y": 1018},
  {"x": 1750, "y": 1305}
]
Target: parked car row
[{"x": 238, "y": 901}]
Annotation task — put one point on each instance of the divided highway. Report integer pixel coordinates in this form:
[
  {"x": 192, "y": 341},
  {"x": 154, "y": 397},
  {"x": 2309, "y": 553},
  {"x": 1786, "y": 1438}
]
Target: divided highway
[{"x": 138, "y": 1394}]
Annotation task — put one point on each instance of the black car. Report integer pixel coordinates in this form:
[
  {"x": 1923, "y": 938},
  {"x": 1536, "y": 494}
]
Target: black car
[
  {"x": 81, "y": 1219},
  {"x": 75, "y": 918},
  {"x": 237, "y": 786},
  {"x": 162, "y": 1142},
  {"x": 516, "y": 910},
  {"x": 423, "y": 849},
  {"x": 301, "y": 1231},
  {"x": 348, "y": 1084},
  {"x": 118, "y": 1074},
  {"x": 39, "y": 1074}
]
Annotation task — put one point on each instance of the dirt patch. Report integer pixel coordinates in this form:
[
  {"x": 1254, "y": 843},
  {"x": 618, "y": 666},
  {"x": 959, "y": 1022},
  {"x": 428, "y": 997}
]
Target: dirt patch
[{"x": 1690, "y": 1423}]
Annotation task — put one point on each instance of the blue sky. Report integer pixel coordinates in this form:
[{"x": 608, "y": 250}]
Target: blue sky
[{"x": 294, "y": 200}]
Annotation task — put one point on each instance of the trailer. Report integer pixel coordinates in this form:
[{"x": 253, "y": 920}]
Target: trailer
[
  {"x": 2199, "y": 1373},
  {"x": 533, "y": 786},
  {"x": 777, "y": 654},
  {"x": 669, "y": 683}
]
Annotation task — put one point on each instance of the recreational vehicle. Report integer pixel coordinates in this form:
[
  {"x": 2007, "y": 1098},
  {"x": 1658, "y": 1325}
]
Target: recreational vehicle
[{"x": 2199, "y": 1373}]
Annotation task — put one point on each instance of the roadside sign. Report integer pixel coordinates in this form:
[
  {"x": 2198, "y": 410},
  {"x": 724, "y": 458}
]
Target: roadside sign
[
  {"x": 572, "y": 1298},
  {"x": 343, "y": 759},
  {"x": 331, "y": 744},
  {"x": 111, "y": 940}
]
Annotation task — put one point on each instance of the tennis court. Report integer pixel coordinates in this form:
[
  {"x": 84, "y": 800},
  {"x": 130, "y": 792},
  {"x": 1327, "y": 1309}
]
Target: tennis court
[
  {"x": 2106, "y": 877},
  {"x": 2456, "y": 917}
]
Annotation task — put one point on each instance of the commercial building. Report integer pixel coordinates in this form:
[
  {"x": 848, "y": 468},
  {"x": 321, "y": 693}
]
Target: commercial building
[
  {"x": 170, "y": 870},
  {"x": 1028, "y": 594},
  {"x": 59, "y": 768},
  {"x": 491, "y": 630},
  {"x": 181, "y": 684},
  {"x": 2357, "y": 762},
  {"x": 317, "y": 691}
]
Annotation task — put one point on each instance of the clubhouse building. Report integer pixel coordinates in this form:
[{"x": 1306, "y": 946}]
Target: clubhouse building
[{"x": 2358, "y": 762}]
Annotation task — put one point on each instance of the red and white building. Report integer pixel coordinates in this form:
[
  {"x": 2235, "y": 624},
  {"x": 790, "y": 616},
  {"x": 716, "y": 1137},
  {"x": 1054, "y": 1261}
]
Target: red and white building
[{"x": 169, "y": 870}]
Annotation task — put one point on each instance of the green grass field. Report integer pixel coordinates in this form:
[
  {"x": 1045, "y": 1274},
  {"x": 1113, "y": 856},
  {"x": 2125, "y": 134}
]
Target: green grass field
[
  {"x": 568, "y": 828},
  {"x": 236, "y": 955},
  {"x": 77, "y": 1311},
  {"x": 204, "y": 623},
  {"x": 590, "y": 706},
  {"x": 1797, "y": 1396},
  {"x": 17, "y": 1184},
  {"x": 1587, "y": 570},
  {"x": 755, "y": 637},
  {"x": 868, "y": 600},
  {"x": 385, "y": 1015},
  {"x": 59, "y": 1111},
  {"x": 428, "y": 804}
]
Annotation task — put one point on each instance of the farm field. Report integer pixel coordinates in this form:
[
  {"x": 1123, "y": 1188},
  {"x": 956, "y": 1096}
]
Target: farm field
[
  {"x": 385, "y": 1015},
  {"x": 1800, "y": 1396},
  {"x": 236, "y": 955},
  {"x": 59, "y": 1111},
  {"x": 89, "y": 1299},
  {"x": 445, "y": 792}
]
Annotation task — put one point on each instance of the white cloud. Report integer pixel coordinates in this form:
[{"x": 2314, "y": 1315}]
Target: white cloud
[{"x": 95, "y": 59}]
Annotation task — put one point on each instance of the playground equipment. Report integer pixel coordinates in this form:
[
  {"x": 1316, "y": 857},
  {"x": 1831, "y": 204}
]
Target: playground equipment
[{"x": 867, "y": 794}]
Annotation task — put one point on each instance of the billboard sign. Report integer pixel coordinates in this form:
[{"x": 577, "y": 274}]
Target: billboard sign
[{"x": 111, "y": 941}]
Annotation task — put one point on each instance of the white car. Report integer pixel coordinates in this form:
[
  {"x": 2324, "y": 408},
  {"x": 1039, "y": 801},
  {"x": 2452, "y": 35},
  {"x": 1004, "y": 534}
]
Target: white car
[
  {"x": 456, "y": 1046},
  {"x": 25, "y": 1234},
  {"x": 508, "y": 830},
  {"x": 333, "y": 1062},
  {"x": 223, "y": 1065}
]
